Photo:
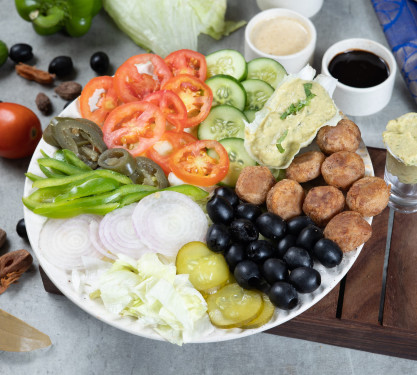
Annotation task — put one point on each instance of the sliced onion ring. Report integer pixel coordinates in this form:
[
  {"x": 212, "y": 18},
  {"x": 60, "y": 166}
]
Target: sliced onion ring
[
  {"x": 118, "y": 235},
  {"x": 96, "y": 241},
  {"x": 64, "y": 242},
  {"x": 167, "y": 220}
]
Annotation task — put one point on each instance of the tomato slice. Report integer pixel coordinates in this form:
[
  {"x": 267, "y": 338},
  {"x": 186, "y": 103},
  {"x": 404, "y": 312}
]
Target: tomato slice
[
  {"x": 139, "y": 76},
  {"x": 193, "y": 165},
  {"x": 170, "y": 142},
  {"x": 186, "y": 61},
  {"x": 98, "y": 99},
  {"x": 195, "y": 94},
  {"x": 135, "y": 126},
  {"x": 172, "y": 106}
]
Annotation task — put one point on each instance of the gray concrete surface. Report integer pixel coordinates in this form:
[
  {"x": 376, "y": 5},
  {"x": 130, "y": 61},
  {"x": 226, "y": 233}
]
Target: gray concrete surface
[{"x": 84, "y": 345}]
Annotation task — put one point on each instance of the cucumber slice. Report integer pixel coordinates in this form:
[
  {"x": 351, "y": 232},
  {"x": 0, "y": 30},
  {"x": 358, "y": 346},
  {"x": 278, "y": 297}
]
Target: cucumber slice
[
  {"x": 227, "y": 90},
  {"x": 238, "y": 157},
  {"x": 208, "y": 270},
  {"x": 233, "y": 306},
  {"x": 227, "y": 61},
  {"x": 250, "y": 115},
  {"x": 267, "y": 70},
  {"x": 257, "y": 93},
  {"x": 223, "y": 121}
]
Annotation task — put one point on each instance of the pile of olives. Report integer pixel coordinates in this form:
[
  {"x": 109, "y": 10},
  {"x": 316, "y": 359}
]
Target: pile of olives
[{"x": 281, "y": 264}]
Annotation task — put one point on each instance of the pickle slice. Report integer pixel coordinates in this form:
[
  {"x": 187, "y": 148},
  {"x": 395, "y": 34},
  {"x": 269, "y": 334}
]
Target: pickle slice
[
  {"x": 265, "y": 315},
  {"x": 232, "y": 306},
  {"x": 208, "y": 270}
]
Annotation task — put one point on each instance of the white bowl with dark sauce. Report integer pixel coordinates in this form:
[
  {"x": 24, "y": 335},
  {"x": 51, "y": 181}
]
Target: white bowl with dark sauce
[{"x": 365, "y": 71}]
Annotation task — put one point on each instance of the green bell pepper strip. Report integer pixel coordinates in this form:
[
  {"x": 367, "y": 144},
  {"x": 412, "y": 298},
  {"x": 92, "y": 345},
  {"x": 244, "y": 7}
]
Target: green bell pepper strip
[
  {"x": 51, "y": 173},
  {"x": 47, "y": 182},
  {"x": 33, "y": 177},
  {"x": 61, "y": 166},
  {"x": 51, "y": 16},
  {"x": 68, "y": 212},
  {"x": 71, "y": 158}
]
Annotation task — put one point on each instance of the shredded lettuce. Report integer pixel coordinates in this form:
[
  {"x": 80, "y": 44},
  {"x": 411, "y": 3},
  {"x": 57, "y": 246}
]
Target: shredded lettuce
[
  {"x": 164, "y": 26},
  {"x": 152, "y": 292}
]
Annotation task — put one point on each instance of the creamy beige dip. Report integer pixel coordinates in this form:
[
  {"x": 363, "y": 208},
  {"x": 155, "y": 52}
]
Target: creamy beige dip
[
  {"x": 280, "y": 36},
  {"x": 300, "y": 128},
  {"x": 400, "y": 138}
]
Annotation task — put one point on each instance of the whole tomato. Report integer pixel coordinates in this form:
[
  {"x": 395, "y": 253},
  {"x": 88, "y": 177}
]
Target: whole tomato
[{"x": 20, "y": 131}]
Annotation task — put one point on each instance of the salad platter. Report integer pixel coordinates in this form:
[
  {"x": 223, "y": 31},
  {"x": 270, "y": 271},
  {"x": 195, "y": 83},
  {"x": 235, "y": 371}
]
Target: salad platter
[{"x": 69, "y": 284}]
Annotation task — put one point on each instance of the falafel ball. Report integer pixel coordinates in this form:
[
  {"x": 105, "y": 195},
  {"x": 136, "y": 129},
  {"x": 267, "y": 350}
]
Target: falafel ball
[
  {"x": 368, "y": 196},
  {"x": 286, "y": 199},
  {"x": 253, "y": 184},
  {"x": 322, "y": 203},
  {"x": 345, "y": 136},
  {"x": 342, "y": 169},
  {"x": 349, "y": 230},
  {"x": 305, "y": 167}
]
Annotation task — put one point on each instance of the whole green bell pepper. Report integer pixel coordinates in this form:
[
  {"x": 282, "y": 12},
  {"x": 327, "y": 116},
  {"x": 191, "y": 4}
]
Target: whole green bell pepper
[{"x": 51, "y": 16}]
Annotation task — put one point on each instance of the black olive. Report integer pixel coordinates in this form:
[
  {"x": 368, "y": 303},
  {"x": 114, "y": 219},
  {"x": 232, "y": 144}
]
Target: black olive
[
  {"x": 309, "y": 236},
  {"x": 274, "y": 270},
  {"x": 248, "y": 276},
  {"x": 283, "y": 295},
  {"x": 285, "y": 243},
  {"x": 247, "y": 211},
  {"x": 21, "y": 229},
  {"x": 259, "y": 251},
  {"x": 220, "y": 210},
  {"x": 61, "y": 66},
  {"x": 235, "y": 254},
  {"x": 99, "y": 62},
  {"x": 271, "y": 226},
  {"x": 243, "y": 231},
  {"x": 228, "y": 194},
  {"x": 218, "y": 238},
  {"x": 328, "y": 252},
  {"x": 297, "y": 257},
  {"x": 297, "y": 224},
  {"x": 20, "y": 52},
  {"x": 305, "y": 279}
]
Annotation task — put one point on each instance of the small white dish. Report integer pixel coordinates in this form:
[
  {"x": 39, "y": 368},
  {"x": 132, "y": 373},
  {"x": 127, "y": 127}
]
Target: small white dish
[
  {"x": 294, "y": 62},
  {"x": 356, "y": 101},
  {"x": 307, "y": 8}
]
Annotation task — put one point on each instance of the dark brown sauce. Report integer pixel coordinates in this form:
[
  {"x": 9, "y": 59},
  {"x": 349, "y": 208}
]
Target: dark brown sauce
[{"x": 358, "y": 68}]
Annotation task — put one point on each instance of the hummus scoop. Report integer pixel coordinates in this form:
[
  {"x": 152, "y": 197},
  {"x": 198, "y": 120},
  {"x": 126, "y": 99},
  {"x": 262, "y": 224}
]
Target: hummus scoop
[{"x": 291, "y": 118}]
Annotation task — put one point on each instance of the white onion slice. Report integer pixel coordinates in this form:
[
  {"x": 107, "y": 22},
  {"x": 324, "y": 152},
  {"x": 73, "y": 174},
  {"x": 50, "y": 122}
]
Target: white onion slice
[
  {"x": 167, "y": 220},
  {"x": 118, "y": 235},
  {"x": 96, "y": 241},
  {"x": 64, "y": 242}
]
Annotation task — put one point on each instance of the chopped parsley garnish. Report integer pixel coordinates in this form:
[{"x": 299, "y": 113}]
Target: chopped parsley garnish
[
  {"x": 280, "y": 140},
  {"x": 296, "y": 107}
]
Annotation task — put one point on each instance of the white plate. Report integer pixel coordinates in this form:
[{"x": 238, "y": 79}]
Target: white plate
[{"x": 329, "y": 277}]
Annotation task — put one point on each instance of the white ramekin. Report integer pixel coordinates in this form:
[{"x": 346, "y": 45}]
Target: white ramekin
[
  {"x": 292, "y": 63},
  {"x": 361, "y": 101},
  {"x": 307, "y": 8}
]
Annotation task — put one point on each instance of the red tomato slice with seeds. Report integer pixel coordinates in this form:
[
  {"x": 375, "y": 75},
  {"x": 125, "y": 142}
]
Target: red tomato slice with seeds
[
  {"x": 186, "y": 61},
  {"x": 172, "y": 107},
  {"x": 98, "y": 99},
  {"x": 170, "y": 142},
  {"x": 139, "y": 76},
  {"x": 193, "y": 165},
  {"x": 135, "y": 126},
  {"x": 195, "y": 94}
]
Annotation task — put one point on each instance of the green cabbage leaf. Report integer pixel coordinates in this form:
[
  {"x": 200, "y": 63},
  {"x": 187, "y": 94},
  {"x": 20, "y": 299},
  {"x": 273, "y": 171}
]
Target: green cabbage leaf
[{"x": 164, "y": 26}]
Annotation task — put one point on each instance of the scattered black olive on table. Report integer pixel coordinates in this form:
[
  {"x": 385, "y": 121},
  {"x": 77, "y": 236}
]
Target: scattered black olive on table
[
  {"x": 62, "y": 66},
  {"x": 99, "y": 62},
  {"x": 20, "y": 52},
  {"x": 21, "y": 229}
]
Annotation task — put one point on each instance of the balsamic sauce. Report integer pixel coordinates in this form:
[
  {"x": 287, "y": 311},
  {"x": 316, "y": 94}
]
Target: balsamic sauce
[{"x": 358, "y": 68}]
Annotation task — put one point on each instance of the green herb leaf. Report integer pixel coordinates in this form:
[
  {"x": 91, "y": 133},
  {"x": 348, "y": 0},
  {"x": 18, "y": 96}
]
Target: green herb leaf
[
  {"x": 280, "y": 140},
  {"x": 294, "y": 108}
]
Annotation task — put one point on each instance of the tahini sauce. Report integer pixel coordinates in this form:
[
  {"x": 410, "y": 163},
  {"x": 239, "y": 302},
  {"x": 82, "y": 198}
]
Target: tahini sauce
[{"x": 280, "y": 36}]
